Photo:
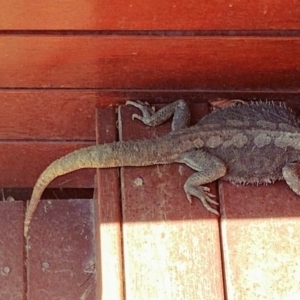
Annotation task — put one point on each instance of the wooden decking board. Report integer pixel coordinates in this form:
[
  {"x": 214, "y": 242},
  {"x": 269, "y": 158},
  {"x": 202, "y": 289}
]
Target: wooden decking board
[
  {"x": 61, "y": 251},
  {"x": 171, "y": 248},
  {"x": 260, "y": 240},
  {"x": 153, "y": 244},
  {"x": 110, "y": 273},
  {"x": 12, "y": 265}
]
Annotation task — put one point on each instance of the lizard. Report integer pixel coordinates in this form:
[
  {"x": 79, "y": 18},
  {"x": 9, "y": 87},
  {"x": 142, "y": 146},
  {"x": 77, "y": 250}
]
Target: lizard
[{"x": 244, "y": 143}]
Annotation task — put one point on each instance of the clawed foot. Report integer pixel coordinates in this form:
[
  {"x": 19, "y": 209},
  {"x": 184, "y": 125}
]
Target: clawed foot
[
  {"x": 204, "y": 195},
  {"x": 145, "y": 108},
  {"x": 178, "y": 109}
]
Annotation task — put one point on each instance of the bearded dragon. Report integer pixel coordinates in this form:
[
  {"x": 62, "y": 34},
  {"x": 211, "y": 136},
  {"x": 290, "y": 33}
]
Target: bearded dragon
[{"x": 246, "y": 143}]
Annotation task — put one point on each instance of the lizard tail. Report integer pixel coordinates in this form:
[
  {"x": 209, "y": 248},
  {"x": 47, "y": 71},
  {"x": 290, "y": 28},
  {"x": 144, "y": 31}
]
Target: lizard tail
[{"x": 101, "y": 156}]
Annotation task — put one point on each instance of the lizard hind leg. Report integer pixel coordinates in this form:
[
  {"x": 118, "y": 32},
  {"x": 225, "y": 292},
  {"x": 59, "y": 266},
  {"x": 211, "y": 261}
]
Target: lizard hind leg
[
  {"x": 178, "y": 109},
  {"x": 193, "y": 188},
  {"x": 291, "y": 174},
  {"x": 210, "y": 168}
]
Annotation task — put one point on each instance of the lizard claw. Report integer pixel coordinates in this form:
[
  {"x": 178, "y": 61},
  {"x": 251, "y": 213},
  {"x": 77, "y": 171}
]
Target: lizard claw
[
  {"x": 142, "y": 106},
  {"x": 136, "y": 116},
  {"x": 204, "y": 195},
  {"x": 145, "y": 109}
]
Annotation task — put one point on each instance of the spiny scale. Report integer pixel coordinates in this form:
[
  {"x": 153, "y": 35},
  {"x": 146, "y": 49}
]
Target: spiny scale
[{"x": 256, "y": 142}]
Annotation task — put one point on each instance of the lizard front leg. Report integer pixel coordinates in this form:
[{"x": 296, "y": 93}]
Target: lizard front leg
[
  {"x": 178, "y": 109},
  {"x": 210, "y": 168}
]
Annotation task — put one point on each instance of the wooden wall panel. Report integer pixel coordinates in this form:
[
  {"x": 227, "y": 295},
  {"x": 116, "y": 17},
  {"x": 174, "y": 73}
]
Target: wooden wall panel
[
  {"x": 65, "y": 115},
  {"x": 150, "y": 62},
  {"x": 47, "y": 115},
  {"x": 22, "y": 162},
  {"x": 150, "y": 15}
]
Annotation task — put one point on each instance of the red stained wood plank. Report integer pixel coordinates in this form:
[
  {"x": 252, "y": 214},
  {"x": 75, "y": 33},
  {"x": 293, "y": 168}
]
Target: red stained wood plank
[
  {"x": 12, "y": 285},
  {"x": 61, "y": 251},
  {"x": 77, "y": 105},
  {"x": 22, "y": 163},
  {"x": 154, "y": 15},
  {"x": 163, "y": 235},
  {"x": 109, "y": 236},
  {"x": 56, "y": 115},
  {"x": 51, "y": 114},
  {"x": 260, "y": 227},
  {"x": 224, "y": 63}
]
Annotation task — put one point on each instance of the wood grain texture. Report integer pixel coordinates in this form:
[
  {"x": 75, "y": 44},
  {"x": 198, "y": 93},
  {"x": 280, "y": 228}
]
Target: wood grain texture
[
  {"x": 168, "y": 243},
  {"x": 37, "y": 141},
  {"x": 61, "y": 251},
  {"x": 22, "y": 163},
  {"x": 154, "y": 15},
  {"x": 260, "y": 237},
  {"x": 47, "y": 115},
  {"x": 12, "y": 268},
  {"x": 128, "y": 62},
  {"x": 110, "y": 271},
  {"x": 65, "y": 115}
]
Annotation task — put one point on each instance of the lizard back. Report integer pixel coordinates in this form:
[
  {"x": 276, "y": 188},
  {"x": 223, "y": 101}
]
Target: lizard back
[{"x": 269, "y": 136}]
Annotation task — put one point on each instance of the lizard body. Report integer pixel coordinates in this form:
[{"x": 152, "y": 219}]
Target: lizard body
[{"x": 244, "y": 143}]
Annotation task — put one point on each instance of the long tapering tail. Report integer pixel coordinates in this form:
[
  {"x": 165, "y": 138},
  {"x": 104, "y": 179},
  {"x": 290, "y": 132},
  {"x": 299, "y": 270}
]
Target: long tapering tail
[
  {"x": 118, "y": 154},
  {"x": 79, "y": 159}
]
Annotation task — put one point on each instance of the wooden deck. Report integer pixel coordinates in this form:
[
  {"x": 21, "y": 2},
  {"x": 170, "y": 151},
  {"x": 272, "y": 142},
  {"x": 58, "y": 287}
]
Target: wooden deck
[
  {"x": 142, "y": 240},
  {"x": 129, "y": 233}
]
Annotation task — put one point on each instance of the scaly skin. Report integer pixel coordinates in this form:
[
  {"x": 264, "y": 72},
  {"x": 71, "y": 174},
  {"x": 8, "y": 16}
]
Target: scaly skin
[
  {"x": 243, "y": 143},
  {"x": 118, "y": 154}
]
